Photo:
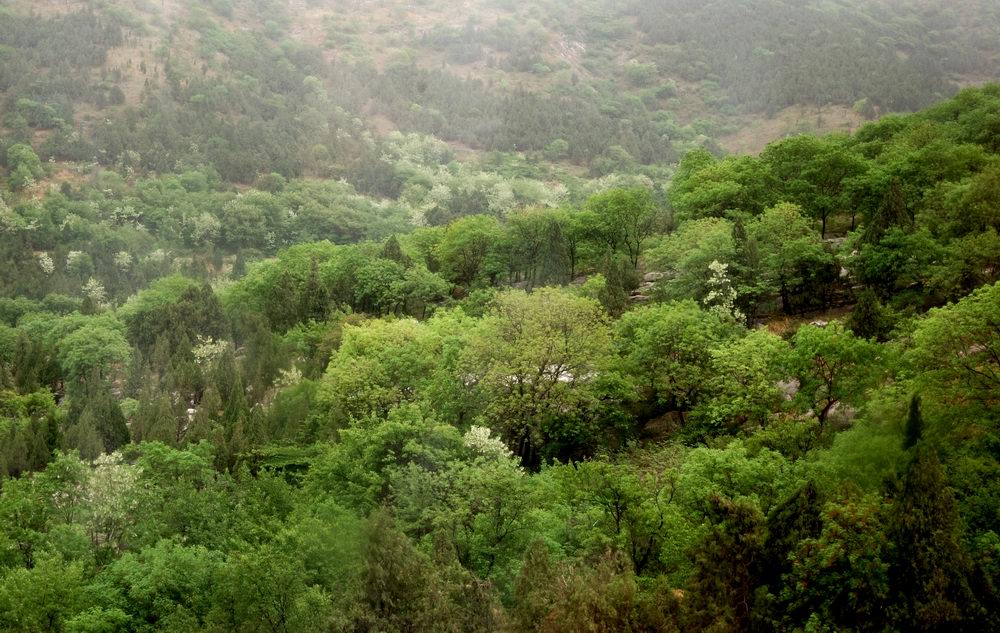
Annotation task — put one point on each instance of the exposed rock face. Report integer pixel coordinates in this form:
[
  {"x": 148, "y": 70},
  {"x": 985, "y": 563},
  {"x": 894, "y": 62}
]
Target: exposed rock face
[
  {"x": 841, "y": 416},
  {"x": 789, "y": 387},
  {"x": 643, "y": 292}
]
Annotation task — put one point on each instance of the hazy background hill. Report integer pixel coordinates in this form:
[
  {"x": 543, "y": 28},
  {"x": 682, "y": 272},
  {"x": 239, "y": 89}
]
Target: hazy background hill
[{"x": 313, "y": 87}]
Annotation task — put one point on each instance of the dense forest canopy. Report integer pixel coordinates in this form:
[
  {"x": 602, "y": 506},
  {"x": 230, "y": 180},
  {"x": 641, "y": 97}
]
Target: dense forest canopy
[{"x": 401, "y": 317}]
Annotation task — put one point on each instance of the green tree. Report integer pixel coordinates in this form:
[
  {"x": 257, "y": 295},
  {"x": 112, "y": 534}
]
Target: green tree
[
  {"x": 794, "y": 263},
  {"x": 815, "y": 174},
  {"x": 839, "y": 579},
  {"x": 742, "y": 384},
  {"x": 684, "y": 257},
  {"x": 725, "y": 575},
  {"x": 914, "y": 429},
  {"x": 624, "y": 220},
  {"x": 833, "y": 368},
  {"x": 24, "y": 166},
  {"x": 167, "y": 584},
  {"x": 43, "y": 598},
  {"x": 542, "y": 362},
  {"x": 868, "y": 319},
  {"x": 537, "y": 247},
  {"x": 704, "y": 187},
  {"x": 93, "y": 349},
  {"x": 956, "y": 350},
  {"x": 667, "y": 350},
  {"x": 470, "y": 250},
  {"x": 267, "y": 590},
  {"x": 380, "y": 365}
]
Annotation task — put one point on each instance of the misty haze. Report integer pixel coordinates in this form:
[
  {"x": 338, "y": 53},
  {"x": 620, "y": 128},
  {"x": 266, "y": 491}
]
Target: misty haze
[{"x": 497, "y": 316}]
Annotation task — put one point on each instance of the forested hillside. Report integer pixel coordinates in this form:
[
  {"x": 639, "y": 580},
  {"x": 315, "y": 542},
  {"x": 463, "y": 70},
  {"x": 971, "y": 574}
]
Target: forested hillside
[
  {"x": 377, "y": 317},
  {"x": 258, "y": 86}
]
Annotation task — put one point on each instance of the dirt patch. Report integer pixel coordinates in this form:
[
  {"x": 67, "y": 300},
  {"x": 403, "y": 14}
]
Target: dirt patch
[
  {"x": 787, "y": 325},
  {"x": 757, "y": 133},
  {"x": 382, "y": 125}
]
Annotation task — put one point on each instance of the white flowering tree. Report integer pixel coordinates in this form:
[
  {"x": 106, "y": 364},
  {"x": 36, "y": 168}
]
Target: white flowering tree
[
  {"x": 721, "y": 297},
  {"x": 123, "y": 260},
  {"x": 94, "y": 290},
  {"x": 208, "y": 351},
  {"x": 112, "y": 501},
  {"x": 45, "y": 263}
]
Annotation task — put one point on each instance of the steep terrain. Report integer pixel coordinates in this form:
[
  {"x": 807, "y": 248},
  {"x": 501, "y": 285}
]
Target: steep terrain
[{"x": 312, "y": 87}]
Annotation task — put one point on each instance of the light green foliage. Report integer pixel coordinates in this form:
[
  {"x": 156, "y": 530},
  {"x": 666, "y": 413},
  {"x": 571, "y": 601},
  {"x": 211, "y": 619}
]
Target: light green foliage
[
  {"x": 542, "y": 362},
  {"x": 112, "y": 502},
  {"x": 306, "y": 300},
  {"x": 863, "y": 455},
  {"x": 24, "y": 166},
  {"x": 686, "y": 255},
  {"x": 955, "y": 354},
  {"x": 900, "y": 261},
  {"x": 468, "y": 250},
  {"x": 158, "y": 294},
  {"x": 630, "y": 505},
  {"x": 93, "y": 347},
  {"x": 379, "y": 286},
  {"x": 293, "y": 605},
  {"x": 379, "y": 366},
  {"x": 360, "y": 470},
  {"x": 482, "y": 505},
  {"x": 622, "y": 220},
  {"x": 743, "y": 386},
  {"x": 761, "y": 478},
  {"x": 667, "y": 350},
  {"x": 833, "y": 368},
  {"x": 704, "y": 187},
  {"x": 42, "y": 598},
  {"x": 815, "y": 174},
  {"x": 166, "y": 583}
]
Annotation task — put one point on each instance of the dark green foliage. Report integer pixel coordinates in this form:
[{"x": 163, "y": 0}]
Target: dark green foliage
[
  {"x": 914, "y": 430},
  {"x": 930, "y": 569},
  {"x": 196, "y": 313},
  {"x": 96, "y": 421},
  {"x": 725, "y": 564},
  {"x": 869, "y": 319}
]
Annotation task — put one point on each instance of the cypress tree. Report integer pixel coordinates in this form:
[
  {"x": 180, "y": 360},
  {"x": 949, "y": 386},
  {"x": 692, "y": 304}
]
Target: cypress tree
[
  {"x": 725, "y": 562},
  {"x": 393, "y": 251},
  {"x": 315, "y": 298},
  {"x": 914, "y": 424},
  {"x": 867, "y": 319},
  {"x": 929, "y": 567}
]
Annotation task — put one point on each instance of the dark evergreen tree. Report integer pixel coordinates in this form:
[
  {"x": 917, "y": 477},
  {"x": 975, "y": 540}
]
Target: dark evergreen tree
[
  {"x": 315, "y": 298},
  {"x": 103, "y": 408},
  {"x": 745, "y": 272},
  {"x": 929, "y": 571},
  {"x": 394, "y": 252},
  {"x": 725, "y": 566},
  {"x": 620, "y": 279},
  {"x": 868, "y": 318},
  {"x": 893, "y": 211},
  {"x": 914, "y": 424}
]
